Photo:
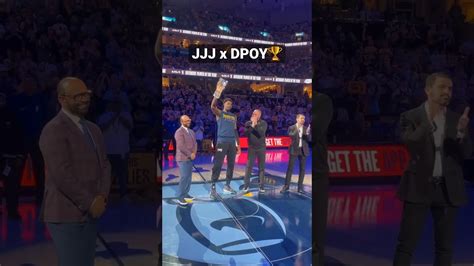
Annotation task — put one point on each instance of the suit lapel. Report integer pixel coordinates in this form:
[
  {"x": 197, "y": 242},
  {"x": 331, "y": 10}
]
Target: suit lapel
[
  {"x": 71, "y": 126},
  {"x": 76, "y": 133},
  {"x": 450, "y": 128},
  {"x": 424, "y": 119}
]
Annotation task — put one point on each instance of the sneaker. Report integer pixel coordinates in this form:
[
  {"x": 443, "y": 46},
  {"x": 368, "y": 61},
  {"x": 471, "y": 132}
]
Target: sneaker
[
  {"x": 261, "y": 190},
  {"x": 182, "y": 202},
  {"x": 213, "y": 193},
  {"x": 189, "y": 197},
  {"x": 284, "y": 189},
  {"x": 245, "y": 189},
  {"x": 301, "y": 190},
  {"x": 228, "y": 189}
]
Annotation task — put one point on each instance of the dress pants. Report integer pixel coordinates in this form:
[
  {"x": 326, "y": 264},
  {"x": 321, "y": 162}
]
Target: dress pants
[
  {"x": 260, "y": 154},
  {"x": 74, "y": 242},
  {"x": 302, "y": 159},
  {"x": 413, "y": 219},
  {"x": 185, "y": 172}
]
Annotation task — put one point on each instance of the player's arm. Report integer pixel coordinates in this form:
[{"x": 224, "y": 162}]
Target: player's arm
[
  {"x": 214, "y": 108},
  {"x": 237, "y": 137}
]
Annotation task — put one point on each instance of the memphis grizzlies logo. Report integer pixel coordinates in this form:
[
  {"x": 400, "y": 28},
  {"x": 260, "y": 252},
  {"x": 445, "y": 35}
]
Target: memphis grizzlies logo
[
  {"x": 260, "y": 227},
  {"x": 243, "y": 230}
]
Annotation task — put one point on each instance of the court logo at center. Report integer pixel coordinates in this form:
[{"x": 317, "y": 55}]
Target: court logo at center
[{"x": 259, "y": 228}]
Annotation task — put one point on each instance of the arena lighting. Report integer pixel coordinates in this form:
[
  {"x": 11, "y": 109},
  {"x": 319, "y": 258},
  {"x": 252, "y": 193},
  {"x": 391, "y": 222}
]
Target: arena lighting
[
  {"x": 170, "y": 19},
  {"x": 233, "y": 38},
  {"x": 224, "y": 28},
  {"x": 194, "y": 73}
]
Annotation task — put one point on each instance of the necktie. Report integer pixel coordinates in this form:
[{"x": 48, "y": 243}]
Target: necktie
[{"x": 87, "y": 134}]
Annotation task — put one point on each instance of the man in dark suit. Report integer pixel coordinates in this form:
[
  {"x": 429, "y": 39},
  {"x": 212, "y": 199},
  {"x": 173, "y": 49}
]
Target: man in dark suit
[
  {"x": 299, "y": 149},
  {"x": 77, "y": 176},
  {"x": 438, "y": 142},
  {"x": 322, "y": 116},
  {"x": 186, "y": 148},
  {"x": 255, "y": 131}
]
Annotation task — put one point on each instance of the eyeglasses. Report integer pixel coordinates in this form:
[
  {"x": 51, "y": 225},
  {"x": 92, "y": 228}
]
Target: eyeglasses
[{"x": 80, "y": 96}]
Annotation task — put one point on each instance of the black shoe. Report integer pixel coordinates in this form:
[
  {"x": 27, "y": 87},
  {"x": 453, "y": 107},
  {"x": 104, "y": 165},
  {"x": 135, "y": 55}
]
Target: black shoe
[
  {"x": 182, "y": 202},
  {"x": 228, "y": 189},
  {"x": 301, "y": 190},
  {"x": 14, "y": 216},
  {"x": 213, "y": 193},
  {"x": 284, "y": 189},
  {"x": 189, "y": 197}
]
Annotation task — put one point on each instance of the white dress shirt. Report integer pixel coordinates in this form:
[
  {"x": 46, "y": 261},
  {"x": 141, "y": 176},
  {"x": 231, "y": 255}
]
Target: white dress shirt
[
  {"x": 187, "y": 129},
  {"x": 439, "y": 124},
  {"x": 300, "y": 132},
  {"x": 74, "y": 119}
]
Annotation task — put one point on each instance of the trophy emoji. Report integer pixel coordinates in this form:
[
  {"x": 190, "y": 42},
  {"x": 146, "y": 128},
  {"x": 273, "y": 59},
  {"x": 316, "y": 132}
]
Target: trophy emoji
[
  {"x": 220, "y": 87},
  {"x": 275, "y": 50}
]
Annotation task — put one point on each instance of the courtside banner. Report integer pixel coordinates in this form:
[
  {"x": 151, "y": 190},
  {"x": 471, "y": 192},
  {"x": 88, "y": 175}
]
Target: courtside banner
[
  {"x": 367, "y": 161},
  {"x": 271, "y": 142}
]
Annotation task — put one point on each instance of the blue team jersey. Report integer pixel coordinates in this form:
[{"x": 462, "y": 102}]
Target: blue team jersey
[{"x": 226, "y": 125}]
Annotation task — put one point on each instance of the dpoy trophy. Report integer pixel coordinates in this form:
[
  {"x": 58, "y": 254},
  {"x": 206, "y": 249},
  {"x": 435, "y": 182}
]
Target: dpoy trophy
[{"x": 221, "y": 84}]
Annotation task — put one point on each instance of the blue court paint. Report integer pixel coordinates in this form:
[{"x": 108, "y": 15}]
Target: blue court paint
[{"x": 264, "y": 229}]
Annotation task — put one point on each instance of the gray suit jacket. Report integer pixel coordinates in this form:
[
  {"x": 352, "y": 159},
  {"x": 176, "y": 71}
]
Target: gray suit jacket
[
  {"x": 75, "y": 173},
  {"x": 295, "y": 140},
  {"x": 185, "y": 144},
  {"x": 416, "y": 134}
]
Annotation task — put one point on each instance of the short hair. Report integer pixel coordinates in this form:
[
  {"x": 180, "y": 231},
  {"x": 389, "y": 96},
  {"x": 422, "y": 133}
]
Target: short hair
[
  {"x": 227, "y": 100},
  {"x": 298, "y": 115},
  {"x": 61, "y": 88},
  {"x": 182, "y": 117},
  {"x": 431, "y": 79}
]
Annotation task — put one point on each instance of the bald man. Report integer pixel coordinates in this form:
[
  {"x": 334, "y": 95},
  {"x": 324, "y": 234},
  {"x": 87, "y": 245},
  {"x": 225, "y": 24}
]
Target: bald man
[
  {"x": 255, "y": 131},
  {"x": 186, "y": 148},
  {"x": 77, "y": 176}
]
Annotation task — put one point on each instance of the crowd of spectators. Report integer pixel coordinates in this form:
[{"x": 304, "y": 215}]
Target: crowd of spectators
[
  {"x": 375, "y": 70},
  {"x": 210, "y": 20},
  {"x": 278, "y": 110},
  {"x": 108, "y": 44},
  {"x": 294, "y": 67}
]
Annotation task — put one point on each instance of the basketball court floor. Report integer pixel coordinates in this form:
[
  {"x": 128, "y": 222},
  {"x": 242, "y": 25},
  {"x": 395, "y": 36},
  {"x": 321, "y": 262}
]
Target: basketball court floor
[
  {"x": 243, "y": 229},
  {"x": 255, "y": 228}
]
